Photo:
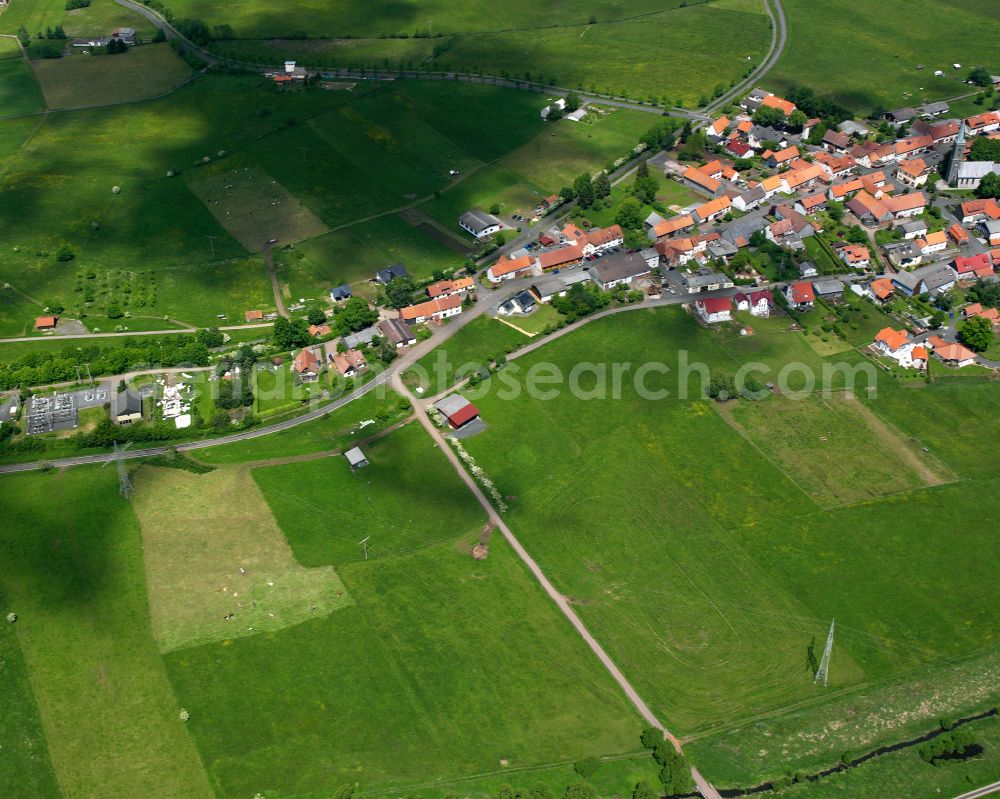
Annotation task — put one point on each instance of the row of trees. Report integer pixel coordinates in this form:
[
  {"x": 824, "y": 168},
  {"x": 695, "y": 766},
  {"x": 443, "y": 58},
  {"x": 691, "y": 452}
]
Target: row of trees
[{"x": 41, "y": 368}]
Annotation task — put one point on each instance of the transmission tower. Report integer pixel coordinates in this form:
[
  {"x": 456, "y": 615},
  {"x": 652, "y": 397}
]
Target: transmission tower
[
  {"x": 124, "y": 483},
  {"x": 823, "y": 672}
]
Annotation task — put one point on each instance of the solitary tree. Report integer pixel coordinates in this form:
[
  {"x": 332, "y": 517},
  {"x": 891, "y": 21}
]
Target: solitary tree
[
  {"x": 989, "y": 186},
  {"x": 977, "y": 333},
  {"x": 572, "y": 102},
  {"x": 602, "y": 186},
  {"x": 584, "y": 188},
  {"x": 629, "y": 214}
]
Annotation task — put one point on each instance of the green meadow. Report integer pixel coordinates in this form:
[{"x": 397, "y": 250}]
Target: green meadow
[
  {"x": 424, "y": 675},
  {"x": 597, "y": 46},
  {"x": 710, "y": 560},
  {"x": 835, "y": 53},
  {"x": 19, "y": 91},
  {"x": 109, "y": 192}
]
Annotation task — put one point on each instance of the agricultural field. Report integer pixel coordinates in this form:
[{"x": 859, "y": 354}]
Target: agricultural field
[
  {"x": 256, "y": 20},
  {"x": 85, "y": 81},
  {"x": 365, "y": 167},
  {"x": 888, "y": 45},
  {"x": 709, "y": 584},
  {"x": 598, "y": 46},
  {"x": 102, "y": 691},
  {"x": 430, "y": 663},
  {"x": 19, "y": 93}
]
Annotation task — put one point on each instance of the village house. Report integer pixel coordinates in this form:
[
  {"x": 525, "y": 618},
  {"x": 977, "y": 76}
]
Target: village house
[
  {"x": 434, "y": 310},
  {"x": 667, "y": 227},
  {"x": 991, "y": 315},
  {"x": 713, "y": 310},
  {"x": 905, "y": 205},
  {"x": 521, "y": 303},
  {"x": 340, "y": 293},
  {"x": 46, "y": 322},
  {"x": 987, "y": 122},
  {"x": 350, "y": 363},
  {"x": 958, "y": 234},
  {"x": 903, "y": 254},
  {"x": 711, "y": 210},
  {"x": 855, "y": 256},
  {"x": 801, "y": 179},
  {"x": 692, "y": 176},
  {"x": 509, "y": 268},
  {"x": 449, "y": 288},
  {"x": 896, "y": 345},
  {"x": 618, "y": 269},
  {"x": 749, "y": 199},
  {"x": 717, "y": 129},
  {"x": 758, "y": 303},
  {"x": 319, "y": 331},
  {"x": 882, "y": 289},
  {"x": 390, "y": 273},
  {"x": 933, "y": 242},
  {"x": 973, "y": 267},
  {"x": 975, "y": 211},
  {"x": 951, "y": 353},
  {"x": 305, "y": 366},
  {"x": 911, "y": 228},
  {"x": 835, "y": 141},
  {"x": 781, "y": 157},
  {"x": 868, "y": 210},
  {"x": 800, "y": 295},
  {"x": 913, "y": 172},
  {"x": 254, "y": 316},
  {"x": 933, "y": 278},
  {"x": 840, "y": 191}
]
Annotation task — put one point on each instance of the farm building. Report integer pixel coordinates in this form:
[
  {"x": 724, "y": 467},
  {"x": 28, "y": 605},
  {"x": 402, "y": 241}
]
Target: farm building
[
  {"x": 46, "y": 322},
  {"x": 396, "y": 332},
  {"x": 479, "y": 223},
  {"x": 457, "y": 410},
  {"x": 340, "y": 293},
  {"x": 356, "y": 458}
]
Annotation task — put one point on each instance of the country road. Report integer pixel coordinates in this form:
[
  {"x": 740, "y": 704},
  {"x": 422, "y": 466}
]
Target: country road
[
  {"x": 126, "y": 333},
  {"x": 561, "y": 602},
  {"x": 779, "y": 37}
]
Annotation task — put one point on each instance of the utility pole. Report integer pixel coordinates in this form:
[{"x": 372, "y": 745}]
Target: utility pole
[
  {"x": 823, "y": 672},
  {"x": 124, "y": 483},
  {"x": 211, "y": 242},
  {"x": 364, "y": 544}
]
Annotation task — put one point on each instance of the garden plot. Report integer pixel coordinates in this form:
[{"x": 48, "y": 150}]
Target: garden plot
[{"x": 254, "y": 208}]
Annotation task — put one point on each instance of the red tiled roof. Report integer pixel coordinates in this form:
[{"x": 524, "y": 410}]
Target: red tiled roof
[
  {"x": 802, "y": 292},
  {"x": 564, "y": 255},
  {"x": 894, "y": 339},
  {"x": 507, "y": 265}
]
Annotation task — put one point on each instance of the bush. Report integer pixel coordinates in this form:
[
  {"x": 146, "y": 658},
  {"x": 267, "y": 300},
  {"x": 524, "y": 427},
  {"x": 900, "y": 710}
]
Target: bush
[
  {"x": 587, "y": 767},
  {"x": 73, "y": 4}
]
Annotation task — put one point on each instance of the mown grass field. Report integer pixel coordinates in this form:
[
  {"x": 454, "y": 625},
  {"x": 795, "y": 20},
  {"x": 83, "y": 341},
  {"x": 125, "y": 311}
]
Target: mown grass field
[
  {"x": 437, "y": 692},
  {"x": 890, "y": 45},
  {"x": 244, "y": 568},
  {"x": 702, "y": 567},
  {"x": 72, "y": 568},
  {"x": 819, "y": 443},
  {"x": 80, "y": 81}
]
